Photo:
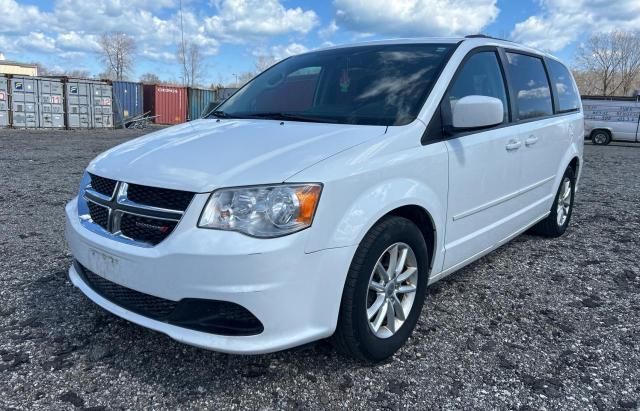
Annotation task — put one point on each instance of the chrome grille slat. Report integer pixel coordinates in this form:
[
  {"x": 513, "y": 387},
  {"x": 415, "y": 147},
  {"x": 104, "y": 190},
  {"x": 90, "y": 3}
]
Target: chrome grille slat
[{"x": 133, "y": 221}]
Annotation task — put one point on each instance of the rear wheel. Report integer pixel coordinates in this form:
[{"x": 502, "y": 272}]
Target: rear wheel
[
  {"x": 601, "y": 137},
  {"x": 384, "y": 292},
  {"x": 558, "y": 219}
]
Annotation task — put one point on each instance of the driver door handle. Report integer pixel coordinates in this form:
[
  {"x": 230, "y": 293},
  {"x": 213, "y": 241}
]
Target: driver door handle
[
  {"x": 513, "y": 145},
  {"x": 531, "y": 140}
]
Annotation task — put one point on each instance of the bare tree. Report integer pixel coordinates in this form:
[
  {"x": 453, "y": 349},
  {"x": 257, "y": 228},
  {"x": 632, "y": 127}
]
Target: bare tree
[
  {"x": 190, "y": 56},
  {"x": 586, "y": 82},
  {"x": 263, "y": 62},
  {"x": 244, "y": 78},
  {"x": 612, "y": 61},
  {"x": 149, "y": 78},
  {"x": 45, "y": 71},
  {"x": 117, "y": 53}
]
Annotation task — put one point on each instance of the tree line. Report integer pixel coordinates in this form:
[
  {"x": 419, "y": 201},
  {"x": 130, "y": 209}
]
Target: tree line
[
  {"x": 608, "y": 64},
  {"x": 118, "y": 54}
]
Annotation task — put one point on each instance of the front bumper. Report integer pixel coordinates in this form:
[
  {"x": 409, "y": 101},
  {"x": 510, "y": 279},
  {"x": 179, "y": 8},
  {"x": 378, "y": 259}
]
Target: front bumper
[{"x": 295, "y": 295}]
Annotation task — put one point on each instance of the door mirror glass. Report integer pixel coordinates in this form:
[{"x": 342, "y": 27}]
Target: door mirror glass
[{"x": 477, "y": 112}]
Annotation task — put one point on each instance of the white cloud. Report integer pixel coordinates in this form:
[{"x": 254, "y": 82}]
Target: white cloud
[
  {"x": 551, "y": 33},
  {"x": 239, "y": 20},
  {"x": 280, "y": 52},
  {"x": 561, "y": 22},
  {"x": 79, "y": 41},
  {"x": 416, "y": 17},
  {"x": 15, "y": 17},
  {"x": 36, "y": 41},
  {"x": 329, "y": 30}
]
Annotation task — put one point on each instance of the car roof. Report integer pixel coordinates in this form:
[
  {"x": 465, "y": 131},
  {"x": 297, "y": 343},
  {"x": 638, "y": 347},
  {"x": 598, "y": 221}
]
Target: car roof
[{"x": 475, "y": 40}]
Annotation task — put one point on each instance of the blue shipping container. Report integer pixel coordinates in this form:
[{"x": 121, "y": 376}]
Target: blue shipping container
[
  {"x": 127, "y": 101},
  {"x": 199, "y": 99}
]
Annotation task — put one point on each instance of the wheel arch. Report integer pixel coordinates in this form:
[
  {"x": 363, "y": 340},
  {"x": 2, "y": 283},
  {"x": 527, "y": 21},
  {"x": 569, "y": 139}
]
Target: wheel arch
[
  {"x": 605, "y": 129},
  {"x": 424, "y": 221}
]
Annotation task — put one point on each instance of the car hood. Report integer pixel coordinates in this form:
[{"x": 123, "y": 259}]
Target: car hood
[{"x": 206, "y": 154}]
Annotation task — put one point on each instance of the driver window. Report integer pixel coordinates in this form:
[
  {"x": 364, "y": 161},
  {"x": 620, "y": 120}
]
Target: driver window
[{"x": 480, "y": 76}]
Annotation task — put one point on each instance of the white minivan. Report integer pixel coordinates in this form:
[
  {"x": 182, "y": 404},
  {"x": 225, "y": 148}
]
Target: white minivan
[{"x": 325, "y": 196}]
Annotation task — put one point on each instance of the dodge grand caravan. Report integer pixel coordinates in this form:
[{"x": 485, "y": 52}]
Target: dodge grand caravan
[{"x": 325, "y": 196}]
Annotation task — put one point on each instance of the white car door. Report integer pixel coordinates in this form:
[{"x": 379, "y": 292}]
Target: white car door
[
  {"x": 545, "y": 136},
  {"x": 544, "y": 114},
  {"x": 484, "y": 166}
]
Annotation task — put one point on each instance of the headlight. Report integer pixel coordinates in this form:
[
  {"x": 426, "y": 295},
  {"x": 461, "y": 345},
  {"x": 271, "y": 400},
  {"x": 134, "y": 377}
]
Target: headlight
[
  {"x": 265, "y": 211},
  {"x": 83, "y": 209}
]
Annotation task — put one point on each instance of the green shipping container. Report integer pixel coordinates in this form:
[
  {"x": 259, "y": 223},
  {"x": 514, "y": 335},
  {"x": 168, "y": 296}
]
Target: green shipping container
[{"x": 199, "y": 99}]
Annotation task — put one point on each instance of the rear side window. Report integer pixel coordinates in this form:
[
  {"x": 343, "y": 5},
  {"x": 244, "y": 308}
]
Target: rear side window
[
  {"x": 531, "y": 87},
  {"x": 480, "y": 76},
  {"x": 568, "y": 99}
]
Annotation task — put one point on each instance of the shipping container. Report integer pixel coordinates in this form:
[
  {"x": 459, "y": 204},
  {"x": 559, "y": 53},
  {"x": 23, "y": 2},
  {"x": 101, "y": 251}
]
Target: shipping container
[
  {"x": 24, "y": 108},
  {"x": 88, "y": 103},
  {"x": 4, "y": 102},
  {"x": 50, "y": 103},
  {"x": 102, "y": 105},
  {"x": 224, "y": 93},
  {"x": 167, "y": 104},
  {"x": 199, "y": 100},
  {"x": 127, "y": 101}
]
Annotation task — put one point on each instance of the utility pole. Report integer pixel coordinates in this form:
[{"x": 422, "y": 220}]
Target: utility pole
[{"x": 236, "y": 76}]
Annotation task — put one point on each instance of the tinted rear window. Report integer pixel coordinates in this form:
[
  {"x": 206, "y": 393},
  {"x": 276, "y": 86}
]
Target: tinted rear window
[
  {"x": 530, "y": 84},
  {"x": 568, "y": 99}
]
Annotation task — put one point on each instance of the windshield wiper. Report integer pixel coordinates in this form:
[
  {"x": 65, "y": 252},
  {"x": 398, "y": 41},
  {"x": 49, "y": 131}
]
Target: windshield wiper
[
  {"x": 219, "y": 114},
  {"x": 288, "y": 117}
]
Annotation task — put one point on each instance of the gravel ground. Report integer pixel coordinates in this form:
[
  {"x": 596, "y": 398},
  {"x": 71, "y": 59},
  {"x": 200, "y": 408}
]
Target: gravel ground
[{"x": 538, "y": 324}]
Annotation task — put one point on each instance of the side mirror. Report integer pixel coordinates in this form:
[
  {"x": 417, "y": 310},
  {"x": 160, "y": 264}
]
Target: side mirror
[{"x": 477, "y": 112}]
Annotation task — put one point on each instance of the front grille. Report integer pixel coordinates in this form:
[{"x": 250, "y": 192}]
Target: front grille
[
  {"x": 211, "y": 316},
  {"x": 104, "y": 186},
  {"x": 159, "y": 197},
  {"x": 140, "y": 213},
  {"x": 139, "y": 303},
  {"x": 99, "y": 214},
  {"x": 148, "y": 230}
]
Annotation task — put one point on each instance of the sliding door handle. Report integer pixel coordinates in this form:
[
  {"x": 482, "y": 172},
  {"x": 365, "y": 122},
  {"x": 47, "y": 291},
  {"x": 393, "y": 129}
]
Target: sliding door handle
[
  {"x": 513, "y": 145},
  {"x": 531, "y": 140}
]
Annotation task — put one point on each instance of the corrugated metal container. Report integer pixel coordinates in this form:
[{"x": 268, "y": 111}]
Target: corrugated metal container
[
  {"x": 78, "y": 104},
  {"x": 4, "y": 102},
  {"x": 50, "y": 107},
  {"x": 167, "y": 103},
  {"x": 102, "y": 102},
  {"x": 24, "y": 109},
  {"x": 127, "y": 101},
  {"x": 199, "y": 100},
  {"x": 88, "y": 104},
  {"x": 224, "y": 93}
]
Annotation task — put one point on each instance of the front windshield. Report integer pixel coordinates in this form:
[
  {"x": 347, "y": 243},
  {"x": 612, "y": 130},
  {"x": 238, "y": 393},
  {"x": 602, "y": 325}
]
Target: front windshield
[{"x": 376, "y": 85}]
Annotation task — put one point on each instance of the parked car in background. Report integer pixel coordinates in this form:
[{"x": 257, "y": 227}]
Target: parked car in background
[
  {"x": 322, "y": 198},
  {"x": 608, "y": 119}
]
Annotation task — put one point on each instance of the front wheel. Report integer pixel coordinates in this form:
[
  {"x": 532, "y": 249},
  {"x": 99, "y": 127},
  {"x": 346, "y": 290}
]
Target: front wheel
[
  {"x": 384, "y": 291},
  {"x": 558, "y": 219}
]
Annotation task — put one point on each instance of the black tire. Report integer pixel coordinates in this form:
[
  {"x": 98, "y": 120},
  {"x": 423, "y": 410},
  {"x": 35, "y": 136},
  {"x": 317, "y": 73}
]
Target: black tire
[
  {"x": 601, "y": 137},
  {"x": 550, "y": 226},
  {"x": 354, "y": 336}
]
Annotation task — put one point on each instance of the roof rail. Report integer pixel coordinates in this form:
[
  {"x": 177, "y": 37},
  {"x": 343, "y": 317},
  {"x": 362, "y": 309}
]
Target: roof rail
[{"x": 484, "y": 36}]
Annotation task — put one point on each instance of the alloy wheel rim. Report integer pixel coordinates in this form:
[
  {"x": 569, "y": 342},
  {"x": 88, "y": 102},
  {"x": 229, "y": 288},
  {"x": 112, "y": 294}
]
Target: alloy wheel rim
[
  {"x": 564, "y": 202},
  {"x": 392, "y": 289},
  {"x": 600, "y": 138}
]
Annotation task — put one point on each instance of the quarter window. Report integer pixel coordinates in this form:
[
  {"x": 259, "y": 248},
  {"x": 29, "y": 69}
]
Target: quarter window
[
  {"x": 531, "y": 87},
  {"x": 480, "y": 76},
  {"x": 568, "y": 99}
]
